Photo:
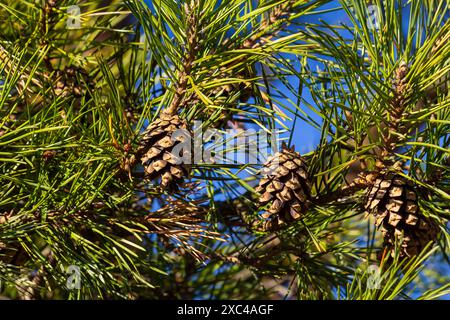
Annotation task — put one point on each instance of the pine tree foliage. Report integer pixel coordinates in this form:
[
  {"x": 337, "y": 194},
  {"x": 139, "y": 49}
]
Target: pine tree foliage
[{"x": 90, "y": 188}]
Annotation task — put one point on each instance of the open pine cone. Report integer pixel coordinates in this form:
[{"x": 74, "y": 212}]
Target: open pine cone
[
  {"x": 157, "y": 154},
  {"x": 393, "y": 201},
  {"x": 72, "y": 80},
  {"x": 285, "y": 185}
]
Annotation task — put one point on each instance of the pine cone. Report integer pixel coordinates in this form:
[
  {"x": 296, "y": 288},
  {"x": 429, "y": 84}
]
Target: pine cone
[
  {"x": 226, "y": 96},
  {"x": 393, "y": 201},
  {"x": 443, "y": 83},
  {"x": 286, "y": 186},
  {"x": 72, "y": 80},
  {"x": 401, "y": 88},
  {"x": 244, "y": 88},
  {"x": 155, "y": 151}
]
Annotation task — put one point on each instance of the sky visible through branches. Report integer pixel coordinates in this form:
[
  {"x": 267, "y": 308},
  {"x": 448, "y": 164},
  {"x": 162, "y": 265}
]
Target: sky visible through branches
[
  {"x": 143, "y": 140},
  {"x": 305, "y": 136}
]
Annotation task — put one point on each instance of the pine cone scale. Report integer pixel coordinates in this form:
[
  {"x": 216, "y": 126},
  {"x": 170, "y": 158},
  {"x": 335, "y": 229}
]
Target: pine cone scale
[
  {"x": 156, "y": 151},
  {"x": 284, "y": 187},
  {"x": 393, "y": 201}
]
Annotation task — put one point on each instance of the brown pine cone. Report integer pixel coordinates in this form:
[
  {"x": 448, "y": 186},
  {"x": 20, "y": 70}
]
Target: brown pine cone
[{"x": 285, "y": 186}]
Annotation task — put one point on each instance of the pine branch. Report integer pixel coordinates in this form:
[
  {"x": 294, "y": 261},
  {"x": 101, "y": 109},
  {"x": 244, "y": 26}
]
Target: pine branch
[{"x": 192, "y": 30}]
